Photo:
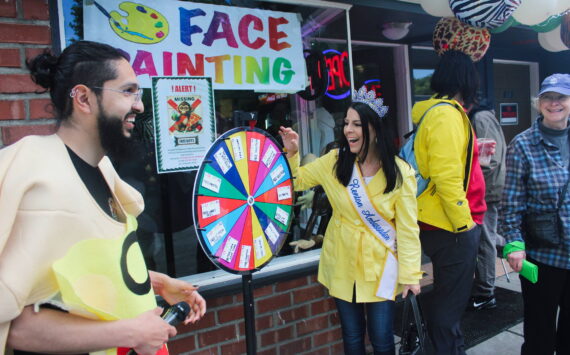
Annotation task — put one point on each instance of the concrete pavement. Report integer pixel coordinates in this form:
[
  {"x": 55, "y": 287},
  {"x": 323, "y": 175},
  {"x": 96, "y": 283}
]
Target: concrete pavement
[{"x": 508, "y": 342}]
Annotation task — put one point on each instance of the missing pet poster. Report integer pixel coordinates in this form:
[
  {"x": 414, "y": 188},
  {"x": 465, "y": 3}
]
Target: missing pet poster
[{"x": 184, "y": 121}]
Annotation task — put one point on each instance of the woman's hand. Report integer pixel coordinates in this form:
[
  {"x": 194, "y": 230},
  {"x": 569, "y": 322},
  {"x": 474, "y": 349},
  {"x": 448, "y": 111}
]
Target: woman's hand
[
  {"x": 415, "y": 289},
  {"x": 516, "y": 259},
  {"x": 290, "y": 140},
  {"x": 174, "y": 291}
]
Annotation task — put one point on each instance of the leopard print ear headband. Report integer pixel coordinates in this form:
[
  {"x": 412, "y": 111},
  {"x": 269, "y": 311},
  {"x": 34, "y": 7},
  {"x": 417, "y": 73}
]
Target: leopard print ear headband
[{"x": 452, "y": 34}]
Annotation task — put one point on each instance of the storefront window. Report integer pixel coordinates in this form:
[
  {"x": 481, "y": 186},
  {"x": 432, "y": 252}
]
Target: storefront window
[
  {"x": 166, "y": 231},
  {"x": 423, "y": 62},
  {"x": 422, "y": 88}
]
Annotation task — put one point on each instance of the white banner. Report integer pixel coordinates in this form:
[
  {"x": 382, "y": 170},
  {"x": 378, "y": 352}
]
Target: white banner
[{"x": 239, "y": 48}]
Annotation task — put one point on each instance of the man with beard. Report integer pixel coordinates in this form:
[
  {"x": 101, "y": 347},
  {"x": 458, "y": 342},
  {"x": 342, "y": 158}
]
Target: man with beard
[{"x": 72, "y": 276}]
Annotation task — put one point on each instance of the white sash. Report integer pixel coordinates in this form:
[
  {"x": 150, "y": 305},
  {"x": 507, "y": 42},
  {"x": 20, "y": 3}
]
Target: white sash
[{"x": 380, "y": 228}]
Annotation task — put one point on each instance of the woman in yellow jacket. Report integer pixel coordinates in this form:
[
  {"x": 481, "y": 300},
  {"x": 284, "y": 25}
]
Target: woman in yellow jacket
[
  {"x": 372, "y": 193},
  {"x": 452, "y": 208}
]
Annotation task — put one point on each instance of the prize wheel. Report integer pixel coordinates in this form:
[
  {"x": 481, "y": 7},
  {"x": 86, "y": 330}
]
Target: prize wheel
[{"x": 243, "y": 200}]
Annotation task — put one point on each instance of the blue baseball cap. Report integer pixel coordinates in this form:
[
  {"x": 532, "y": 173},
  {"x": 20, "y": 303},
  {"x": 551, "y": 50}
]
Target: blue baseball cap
[{"x": 559, "y": 83}]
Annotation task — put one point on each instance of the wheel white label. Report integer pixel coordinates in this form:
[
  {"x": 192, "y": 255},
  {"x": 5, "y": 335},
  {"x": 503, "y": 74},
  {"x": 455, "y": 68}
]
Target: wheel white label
[
  {"x": 272, "y": 233},
  {"x": 223, "y": 160},
  {"x": 277, "y": 174},
  {"x": 210, "y": 209},
  {"x": 259, "y": 249},
  {"x": 254, "y": 149},
  {"x": 269, "y": 156},
  {"x": 244, "y": 256},
  {"x": 229, "y": 249},
  {"x": 238, "y": 148},
  {"x": 283, "y": 193},
  {"x": 281, "y": 215},
  {"x": 216, "y": 233},
  {"x": 211, "y": 182}
]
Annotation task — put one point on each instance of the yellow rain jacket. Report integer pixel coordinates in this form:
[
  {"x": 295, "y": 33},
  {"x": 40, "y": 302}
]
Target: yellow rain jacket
[
  {"x": 351, "y": 255},
  {"x": 441, "y": 152}
]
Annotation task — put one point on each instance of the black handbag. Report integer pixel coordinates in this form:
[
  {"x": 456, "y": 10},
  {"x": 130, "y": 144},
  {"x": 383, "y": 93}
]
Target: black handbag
[
  {"x": 415, "y": 339},
  {"x": 545, "y": 229}
]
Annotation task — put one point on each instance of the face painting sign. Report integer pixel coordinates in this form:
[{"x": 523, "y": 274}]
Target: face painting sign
[{"x": 239, "y": 48}]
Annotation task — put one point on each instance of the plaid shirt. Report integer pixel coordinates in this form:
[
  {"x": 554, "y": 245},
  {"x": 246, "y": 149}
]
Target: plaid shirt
[{"x": 535, "y": 178}]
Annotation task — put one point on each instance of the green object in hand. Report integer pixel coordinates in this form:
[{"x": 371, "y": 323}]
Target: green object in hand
[{"x": 528, "y": 270}]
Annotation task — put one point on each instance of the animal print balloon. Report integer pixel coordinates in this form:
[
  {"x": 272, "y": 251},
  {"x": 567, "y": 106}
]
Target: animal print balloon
[
  {"x": 452, "y": 34},
  {"x": 484, "y": 13}
]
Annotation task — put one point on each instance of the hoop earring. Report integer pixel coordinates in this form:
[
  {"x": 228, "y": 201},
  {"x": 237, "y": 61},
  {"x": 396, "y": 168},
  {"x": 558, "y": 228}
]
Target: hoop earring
[{"x": 73, "y": 92}]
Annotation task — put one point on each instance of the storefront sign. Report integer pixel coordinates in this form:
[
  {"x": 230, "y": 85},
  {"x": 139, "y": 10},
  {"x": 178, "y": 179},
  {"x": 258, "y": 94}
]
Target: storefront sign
[
  {"x": 374, "y": 84},
  {"x": 509, "y": 114},
  {"x": 184, "y": 121},
  {"x": 240, "y": 48},
  {"x": 339, "y": 85}
]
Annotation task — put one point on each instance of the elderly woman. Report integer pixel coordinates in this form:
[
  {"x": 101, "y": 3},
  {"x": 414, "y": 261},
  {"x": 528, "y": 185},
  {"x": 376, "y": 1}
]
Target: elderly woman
[{"x": 536, "y": 188}]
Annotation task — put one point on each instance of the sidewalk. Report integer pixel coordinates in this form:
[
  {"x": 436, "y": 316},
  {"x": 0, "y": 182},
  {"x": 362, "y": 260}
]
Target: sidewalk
[{"x": 508, "y": 342}]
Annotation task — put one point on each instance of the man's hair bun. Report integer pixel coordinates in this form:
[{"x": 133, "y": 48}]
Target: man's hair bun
[{"x": 42, "y": 69}]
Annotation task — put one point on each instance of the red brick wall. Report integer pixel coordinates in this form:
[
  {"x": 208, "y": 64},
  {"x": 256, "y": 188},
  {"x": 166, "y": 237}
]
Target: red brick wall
[
  {"x": 24, "y": 32},
  {"x": 292, "y": 317}
]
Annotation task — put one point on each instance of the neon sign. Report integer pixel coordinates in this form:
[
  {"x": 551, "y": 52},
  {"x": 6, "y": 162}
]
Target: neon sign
[
  {"x": 339, "y": 86},
  {"x": 374, "y": 84}
]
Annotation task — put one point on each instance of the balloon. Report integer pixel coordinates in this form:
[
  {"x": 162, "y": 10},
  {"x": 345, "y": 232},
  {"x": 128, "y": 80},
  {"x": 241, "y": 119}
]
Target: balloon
[
  {"x": 551, "y": 41},
  {"x": 562, "y": 6},
  {"x": 452, "y": 34},
  {"x": 438, "y": 8},
  {"x": 510, "y": 22},
  {"x": 533, "y": 12},
  {"x": 546, "y": 26},
  {"x": 565, "y": 30},
  {"x": 484, "y": 13}
]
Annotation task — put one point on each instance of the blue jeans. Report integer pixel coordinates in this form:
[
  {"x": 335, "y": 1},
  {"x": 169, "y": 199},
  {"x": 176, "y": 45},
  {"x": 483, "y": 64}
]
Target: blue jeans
[{"x": 380, "y": 316}]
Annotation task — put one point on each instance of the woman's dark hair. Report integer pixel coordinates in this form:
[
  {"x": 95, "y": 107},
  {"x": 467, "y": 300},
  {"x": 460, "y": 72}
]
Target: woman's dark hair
[
  {"x": 455, "y": 73},
  {"x": 83, "y": 62},
  {"x": 385, "y": 146}
]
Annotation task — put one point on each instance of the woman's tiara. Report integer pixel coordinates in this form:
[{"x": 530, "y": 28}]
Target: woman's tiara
[{"x": 369, "y": 98}]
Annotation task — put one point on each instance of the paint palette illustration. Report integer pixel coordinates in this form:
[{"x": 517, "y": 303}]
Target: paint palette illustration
[
  {"x": 141, "y": 24},
  {"x": 243, "y": 197}
]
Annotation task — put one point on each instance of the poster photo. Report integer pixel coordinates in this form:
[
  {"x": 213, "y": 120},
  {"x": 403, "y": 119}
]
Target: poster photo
[
  {"x": 509, "y": 114},
  {"x": 184, "y": 121}
]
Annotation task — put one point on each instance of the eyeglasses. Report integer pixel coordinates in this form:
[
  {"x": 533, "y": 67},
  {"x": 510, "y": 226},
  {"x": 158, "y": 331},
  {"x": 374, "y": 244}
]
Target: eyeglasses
[
  {"x": 553, "y": 98},
  {"x": 137, "y": 94}
]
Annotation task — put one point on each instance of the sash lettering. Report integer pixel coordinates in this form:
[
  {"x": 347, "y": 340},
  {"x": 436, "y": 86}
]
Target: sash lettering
[{"x": 380, "y": 228}]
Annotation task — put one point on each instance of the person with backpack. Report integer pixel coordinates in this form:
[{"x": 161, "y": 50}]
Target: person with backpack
[
  {"x": 452, "y": 207},
  {"x": 372, "y": 193}
]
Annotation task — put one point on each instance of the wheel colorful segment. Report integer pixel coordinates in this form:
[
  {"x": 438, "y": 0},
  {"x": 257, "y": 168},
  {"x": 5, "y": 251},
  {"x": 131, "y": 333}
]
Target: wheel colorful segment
[{"x": 243, "y": 199}]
